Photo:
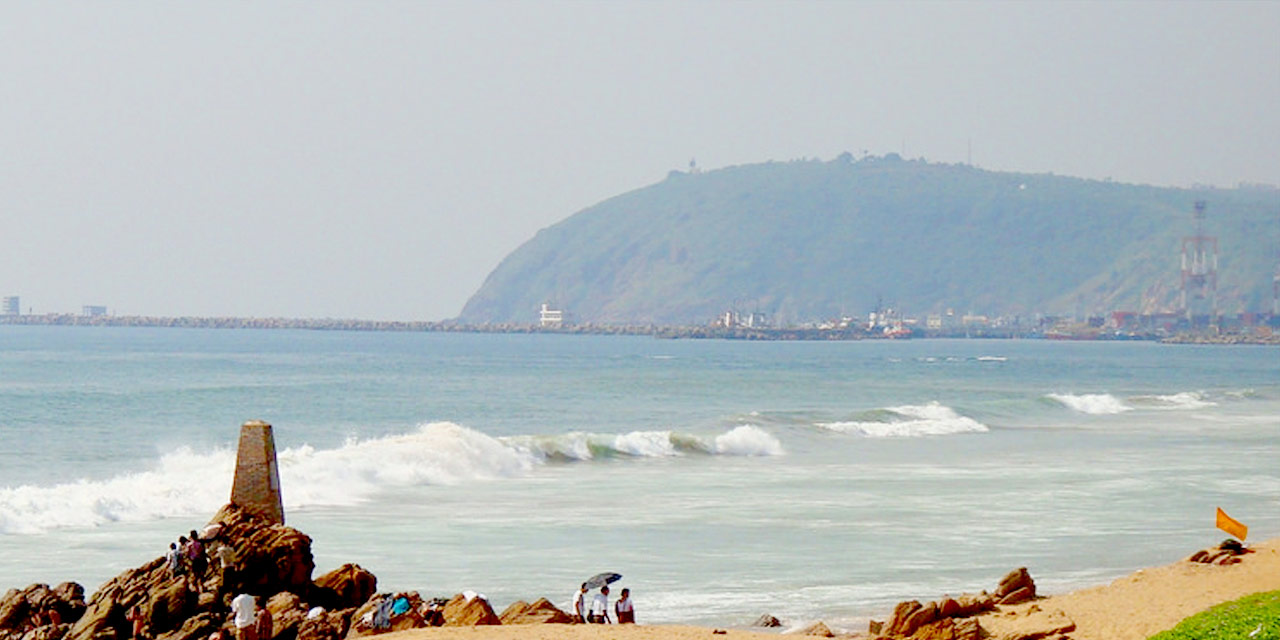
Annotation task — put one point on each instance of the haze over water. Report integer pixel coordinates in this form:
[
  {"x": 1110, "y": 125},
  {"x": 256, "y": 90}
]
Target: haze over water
[{"x": 722, "y": 479}]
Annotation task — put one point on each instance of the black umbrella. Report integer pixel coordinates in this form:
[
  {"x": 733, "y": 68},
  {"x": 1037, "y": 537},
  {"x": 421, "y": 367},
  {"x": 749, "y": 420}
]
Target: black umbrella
[{"x": 601, "y": 579}]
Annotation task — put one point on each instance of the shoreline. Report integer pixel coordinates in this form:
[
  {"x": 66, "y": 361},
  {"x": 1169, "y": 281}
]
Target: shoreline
[{"x": 1132, "y": 607}]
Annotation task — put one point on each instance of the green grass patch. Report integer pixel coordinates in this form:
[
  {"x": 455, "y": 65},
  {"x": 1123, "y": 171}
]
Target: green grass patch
[{"x": 1255, "y": 617}]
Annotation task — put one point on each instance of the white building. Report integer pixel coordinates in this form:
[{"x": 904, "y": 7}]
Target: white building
[{"x": 549, "y": 318}]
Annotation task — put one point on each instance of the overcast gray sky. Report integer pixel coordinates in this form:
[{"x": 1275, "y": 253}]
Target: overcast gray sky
[{"x": 378, "y": 159}]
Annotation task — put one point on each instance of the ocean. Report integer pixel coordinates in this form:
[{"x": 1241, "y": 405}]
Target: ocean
[{"x": 723, "y": 480}]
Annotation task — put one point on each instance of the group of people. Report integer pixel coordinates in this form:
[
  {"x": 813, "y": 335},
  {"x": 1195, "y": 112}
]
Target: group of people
[
  {"x": 598, "y": 611},
  {"x": 188, "y": 558}
]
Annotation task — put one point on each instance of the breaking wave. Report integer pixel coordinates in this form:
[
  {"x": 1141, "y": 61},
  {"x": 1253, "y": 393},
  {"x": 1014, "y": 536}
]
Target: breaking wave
[
  {"x": 1184, "y": 400},
  {"x": 186, "y": 483},
  {"x": 1106, "y": 404},
  {"x": 1096, "y": 404},
  {"x": 931, "y": 419}
]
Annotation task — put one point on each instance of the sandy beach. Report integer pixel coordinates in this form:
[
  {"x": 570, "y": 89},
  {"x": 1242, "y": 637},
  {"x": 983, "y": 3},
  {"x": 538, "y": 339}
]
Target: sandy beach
[
  {"x": 1130, "y": 608},
  {"x": 1147, "y": 601}
]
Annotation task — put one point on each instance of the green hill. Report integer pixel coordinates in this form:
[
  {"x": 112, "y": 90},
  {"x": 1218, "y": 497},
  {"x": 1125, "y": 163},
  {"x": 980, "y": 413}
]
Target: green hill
[{"x": 809, "y": 240}]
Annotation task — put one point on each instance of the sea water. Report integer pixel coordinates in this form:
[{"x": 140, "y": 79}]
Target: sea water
[{"x": 723, "y": 480}]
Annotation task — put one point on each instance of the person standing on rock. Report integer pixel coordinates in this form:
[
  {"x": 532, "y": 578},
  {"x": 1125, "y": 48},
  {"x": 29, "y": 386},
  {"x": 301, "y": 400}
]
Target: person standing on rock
[
  {"x": 139, "y": 621},
  {"x": 264, "y": 626},
  {"x": 600, "y": 607},
  {"x": 226, "y": 557},
  {"x": 242, "y": 610},
  {"x": 579, "y": 607},
  {"x": 195, "y": 556},
  {"x": 174, "y": 560}
]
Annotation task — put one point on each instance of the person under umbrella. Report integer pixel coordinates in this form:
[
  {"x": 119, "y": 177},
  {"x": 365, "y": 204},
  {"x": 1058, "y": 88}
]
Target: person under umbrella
[{"x": 600, "y": 607}]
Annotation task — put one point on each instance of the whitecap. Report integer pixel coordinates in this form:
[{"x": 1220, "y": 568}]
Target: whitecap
[
  {"x": 908, "y": 421},
  {"x": 1091, "y": 403}
]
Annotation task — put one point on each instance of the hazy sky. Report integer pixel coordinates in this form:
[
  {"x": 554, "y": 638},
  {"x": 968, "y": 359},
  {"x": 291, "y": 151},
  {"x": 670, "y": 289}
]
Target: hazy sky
[{"x": 378, "y": 159}]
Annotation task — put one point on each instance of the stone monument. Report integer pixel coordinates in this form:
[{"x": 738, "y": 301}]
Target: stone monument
[{"x": 256, "y": 487}]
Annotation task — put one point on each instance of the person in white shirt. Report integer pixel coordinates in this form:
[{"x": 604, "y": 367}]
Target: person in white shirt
[
  {"x": 600, "y": 607},
  {"x": 626, "y": 612},
  {"x": 244, "y": 609},
  {"x": 579, "y": 607}
]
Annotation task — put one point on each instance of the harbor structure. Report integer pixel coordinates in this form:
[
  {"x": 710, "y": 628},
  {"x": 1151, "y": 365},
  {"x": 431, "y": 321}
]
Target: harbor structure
[
  {"x": 12, "y": 306},
  {"x": 1199, "y": 294}
]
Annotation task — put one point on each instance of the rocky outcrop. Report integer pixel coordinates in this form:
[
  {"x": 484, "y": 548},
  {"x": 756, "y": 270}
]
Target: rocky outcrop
[
  {"x": 818, "y": 630},
  {"x": 346, "y": 587},
  {"x": 767, "y": 621},
  {"x": 469, "y": 612},
  {"x": 540, "y": 612},
  {"x": 270, "y": 559},
  {"x": 1016, "y": 587},
  {"x": 953, "y": 618},
  {"x": 1227, "y": 552},
  {"x": 40, "y": 612}
]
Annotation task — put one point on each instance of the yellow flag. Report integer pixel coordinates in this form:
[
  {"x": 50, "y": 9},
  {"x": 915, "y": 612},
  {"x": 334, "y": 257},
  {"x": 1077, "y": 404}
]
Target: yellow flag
[{"x": 1231, "y": 526}]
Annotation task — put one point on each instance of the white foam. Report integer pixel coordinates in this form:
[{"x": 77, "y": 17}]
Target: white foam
[
  {"x": 748, "y": 440},
  {"x": 1184, "y": 400},
  {"x": 744, "y": 440},
  {"x": 185, "y": 483},
  {"x": 992, "y": 359},
  {"x": 909, "y": 421},
  {"x": 1096, "y": 404}
]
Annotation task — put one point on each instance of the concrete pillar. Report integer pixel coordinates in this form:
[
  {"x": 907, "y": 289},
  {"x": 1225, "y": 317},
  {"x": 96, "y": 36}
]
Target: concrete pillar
[{"x": 256, "y": 488}]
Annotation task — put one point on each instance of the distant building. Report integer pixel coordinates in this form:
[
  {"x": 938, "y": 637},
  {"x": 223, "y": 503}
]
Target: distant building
[
  {"x": 12, "y": 306},
  {"x": 93, "y": 310},
  {"x": 549, "y": 318}
]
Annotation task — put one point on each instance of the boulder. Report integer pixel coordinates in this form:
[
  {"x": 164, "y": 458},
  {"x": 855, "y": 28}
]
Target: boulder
[
  {"x": 318, "y": 628},
  {"x": 818, "y": 629},
  {"x": 948, "y": 608},
  {"x": 270, "y": 558},
  {"x": 346, "y": 587},
  {"x": 767, "y": 621},
  {"x": 39, "y": 606},
  {"x": 461, "y": 612},
  {"x": 974, "y": 604},
  {"x": 1021, "y": 595},
  {"x": 197, "y": 627},
  {"x": 287, "y": 613},
  {"x": 540, "y": 612},
  {"x": 922, "y": 616},
  {"x": 901, "y": 613},
  {"x": 1014, "y": 581},
  {"x": 170, "y": 606}
]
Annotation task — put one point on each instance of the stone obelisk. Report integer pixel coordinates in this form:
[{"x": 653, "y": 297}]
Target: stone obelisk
[{"x": 256, "y": 487}]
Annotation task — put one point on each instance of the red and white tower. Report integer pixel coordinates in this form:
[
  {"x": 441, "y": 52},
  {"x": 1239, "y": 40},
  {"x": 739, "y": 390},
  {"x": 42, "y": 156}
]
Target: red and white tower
[{"x": 1200, "y": 271}]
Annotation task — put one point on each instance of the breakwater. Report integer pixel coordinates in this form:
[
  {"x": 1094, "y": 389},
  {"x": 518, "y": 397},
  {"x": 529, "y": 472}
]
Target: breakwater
[{"x": 659, "y": 331}]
